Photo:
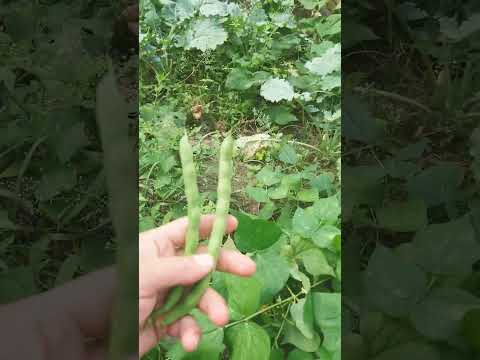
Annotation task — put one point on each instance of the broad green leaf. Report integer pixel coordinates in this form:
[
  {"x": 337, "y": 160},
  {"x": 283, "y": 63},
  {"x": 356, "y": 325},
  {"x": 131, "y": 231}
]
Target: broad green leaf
[
  {"x": 436, "y": 184},
  {"x": 325, "y": 235},
  {"x": 266, "y": 212},
  {"x": 268, "y": 176},
  {"x": 302, "y": 315},
  {"x": 471, "y": 328},
  {"x": 288, "y": 154},
  {"x": 205, "y": 34},
  {"x": 327, "y": 209},
  {"x": 305, "y": 222},
  {"x": 307, "y": 195},
  {"x": 297, "y": 354},
  {"x": 213, "y": 8},
  {"x": 255, "y": 234},
  {"x": 239, "y": 79},
  {"x": 327, "y": 310},
  {"x": 392, "y": 284},
  {"x": 295, "y": 337},
  {"x": 448, "y": 249},
  {"x": 281, "y": 115},
  {"x": 17, "y": 283},
  {"x": 316, "y": 263},
  {"x": 354, "y": 347},
  {"x": 327, "y": 63},
  {"x": 272, "y": 271},
  {"x": 244, "y": 337},
  {"x": 243, "y": 295},
  {"x": 68, "y": 269},
  {"x": 404, "y": 216},
  {"x": 280, "y": 192},
  {"x": 358, "y": 123},
  {"x": 5, "y": 222},
  {"x": 276, "y": 89},
  {"x": 55, "y": 182},
  {"x": 439, "y": 316},
  {"x": 410, "y": 350},
  {"x": 257, "y": 194}
]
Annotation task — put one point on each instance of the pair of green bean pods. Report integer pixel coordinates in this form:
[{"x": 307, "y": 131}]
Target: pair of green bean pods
[{"x": 180, "y": 302}]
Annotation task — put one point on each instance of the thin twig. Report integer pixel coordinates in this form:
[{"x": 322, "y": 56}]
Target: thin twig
[{"x": 393, "y": 96}]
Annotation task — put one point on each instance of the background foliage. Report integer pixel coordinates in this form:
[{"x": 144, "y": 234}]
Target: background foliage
[
  {"x": 270, "y": 72},
  {"x": 54, "y": 222},
  {"x": 410, "y": 180}
]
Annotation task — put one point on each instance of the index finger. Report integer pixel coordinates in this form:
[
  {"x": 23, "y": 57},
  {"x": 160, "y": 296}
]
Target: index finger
[{"x": 175, "y": 231}]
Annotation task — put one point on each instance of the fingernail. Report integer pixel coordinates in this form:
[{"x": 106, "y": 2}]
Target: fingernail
[{"x": 205, "y": 261}]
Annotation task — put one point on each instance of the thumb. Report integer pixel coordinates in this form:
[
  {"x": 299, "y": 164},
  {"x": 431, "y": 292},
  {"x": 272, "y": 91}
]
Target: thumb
[{"x": 166, "y": 272}]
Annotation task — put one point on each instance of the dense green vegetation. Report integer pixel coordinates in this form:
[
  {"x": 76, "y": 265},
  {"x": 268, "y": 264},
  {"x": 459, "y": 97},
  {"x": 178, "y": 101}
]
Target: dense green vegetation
[
  {"x": 269, "y": 72},
  {"x": 410, "y": 179}
]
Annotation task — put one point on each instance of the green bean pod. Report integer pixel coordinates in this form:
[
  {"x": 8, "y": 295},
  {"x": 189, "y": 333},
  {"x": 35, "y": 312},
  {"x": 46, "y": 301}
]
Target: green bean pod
[
  {"x": 194, "y": 212},
  {"x": 224, "y": 190}
]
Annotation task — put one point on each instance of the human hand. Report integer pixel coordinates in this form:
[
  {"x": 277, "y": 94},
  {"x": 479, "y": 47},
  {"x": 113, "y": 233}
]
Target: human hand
[{"x": 161, "y": 268}]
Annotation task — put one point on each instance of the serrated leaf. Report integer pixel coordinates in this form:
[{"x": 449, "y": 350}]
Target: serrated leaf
[
  {"x": 205, "y": 34},
  {"x": 276, "y": 89},
  {"x": 329, "y": 62},
  {"x": 213, "y": 8}
]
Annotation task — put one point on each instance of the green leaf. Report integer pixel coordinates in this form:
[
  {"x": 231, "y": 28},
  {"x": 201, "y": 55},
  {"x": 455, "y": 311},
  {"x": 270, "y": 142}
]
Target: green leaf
[
  {"x": 316, "y": 263},
  {"x": 257, "y": 194},
  {"x": 393, "y": 284},
  {"x": 436, "y": 184},
  {"x": 268, "y": 177},
  {"x": 280, "y": 192},
  {"x": 244, "y": 337},
  {"x": 281, "y": 115},
  {"x": 327, "y": 63},
  {"x": 447, "y": 249},
  {"x": 307, "y": 195},
  {"x": 266, "y": 212},
  {"x": 439, "y": 316},
  {"x": 302, "y": 315},
  {"x": 288, "y": 154},
  {"x": 5, "y": 222},
  {"x": 327, "y": 209},
  {"x": 239, "y": 79},
  {"x": 410, "y": 350},
  {"x": 327, "y": 310},
  {"x": 243, "y": 295},
  {"x": 55, "y": 182},
  {"x": 213, "y": 8},
  {"x": 68, "y": 269},
  {"x": 255, "y": 234},
  {"x": 325, "y": 235},
  {"x": 205, "y": 34},
  {"x": 358, "y": 123},
  {"x": 272, "y": 271},
  {"x": 404, "y": 216},
  {"x": 17, "y": 283},
  {"x": 276, "y": 89},
  {"x": 471, "y": 328},
  {"x": 297, "y": 354},
  {"x": 305, "y": 222},
  {"x": 295, "y": 337}
]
